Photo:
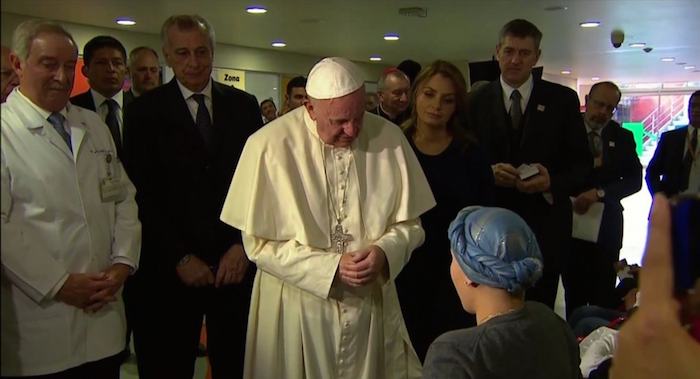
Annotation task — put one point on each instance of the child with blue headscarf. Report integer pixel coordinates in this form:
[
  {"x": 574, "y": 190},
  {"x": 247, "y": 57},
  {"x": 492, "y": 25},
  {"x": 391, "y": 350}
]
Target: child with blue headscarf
[{"x": 495, "y": 258}]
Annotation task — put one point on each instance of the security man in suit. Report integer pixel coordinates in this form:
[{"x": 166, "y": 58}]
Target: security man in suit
[
  {"x": 104, "y": 59},
  {"x": 182, "y": 142},
  {"x": 520, "y": 119},
  {"x": 589, "y": 276},
  {"x": 675, "y": 168}
]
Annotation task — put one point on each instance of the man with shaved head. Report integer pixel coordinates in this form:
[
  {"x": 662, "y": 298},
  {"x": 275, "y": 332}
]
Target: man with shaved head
[{"x": 328, "y": 199}]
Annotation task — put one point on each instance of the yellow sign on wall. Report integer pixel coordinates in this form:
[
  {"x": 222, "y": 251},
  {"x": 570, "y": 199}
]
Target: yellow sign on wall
[{"x": 235, "y": 78}]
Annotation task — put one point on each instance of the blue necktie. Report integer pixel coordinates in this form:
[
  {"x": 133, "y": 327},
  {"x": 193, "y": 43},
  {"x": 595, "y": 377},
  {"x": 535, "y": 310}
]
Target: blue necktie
[
  {"x": 203, "y": 120},
  {"x": 56, "y": 119}
]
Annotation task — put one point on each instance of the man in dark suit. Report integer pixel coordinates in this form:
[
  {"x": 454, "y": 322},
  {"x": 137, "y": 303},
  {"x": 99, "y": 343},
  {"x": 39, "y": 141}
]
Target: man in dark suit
[
  {"x": 589, "y": 276},
  {"x": 182, "y": 143},
  {"x": 104, "y": 59},
  {"x": 522, "y": 120},
  {"x": 675, "y": 168}
]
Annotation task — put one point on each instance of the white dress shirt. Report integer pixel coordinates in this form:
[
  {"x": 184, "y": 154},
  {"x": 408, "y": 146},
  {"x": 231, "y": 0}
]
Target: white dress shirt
[{"x": 525, "y": 91}]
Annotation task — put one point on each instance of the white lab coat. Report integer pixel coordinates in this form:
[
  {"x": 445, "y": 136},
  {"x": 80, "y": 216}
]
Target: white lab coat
[{"x": 54, "y": 222}]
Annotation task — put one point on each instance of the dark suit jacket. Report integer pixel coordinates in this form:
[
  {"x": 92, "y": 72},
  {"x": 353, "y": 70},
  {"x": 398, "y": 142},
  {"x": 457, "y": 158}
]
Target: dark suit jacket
[
  {"x": 181, "y": 185},
  {"x": 620, "y": 175},
  {"x": 553, "y": 135},
  {"x": 86, "y": 101},
  {"x": 665, "y": 171}
]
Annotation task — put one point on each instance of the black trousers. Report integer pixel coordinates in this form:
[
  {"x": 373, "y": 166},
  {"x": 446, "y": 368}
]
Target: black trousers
[
  {"x": 106, "y": 368},
  {"x": 167, "y": 321},
  {"x": 589, "y": 276}
]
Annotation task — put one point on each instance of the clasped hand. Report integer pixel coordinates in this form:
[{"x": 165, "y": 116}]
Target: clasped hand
[
  {"x": 361, "y": 267},
  {"x": 92, "y": 291},
  {"x": 231, "y": 270}
]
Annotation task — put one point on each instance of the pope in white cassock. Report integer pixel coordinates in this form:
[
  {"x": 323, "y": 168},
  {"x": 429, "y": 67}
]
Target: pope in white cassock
[{"x": 328, "y": 199}]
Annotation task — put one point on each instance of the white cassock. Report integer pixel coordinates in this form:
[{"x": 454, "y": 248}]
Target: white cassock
[{"x": 302, "y": 322}]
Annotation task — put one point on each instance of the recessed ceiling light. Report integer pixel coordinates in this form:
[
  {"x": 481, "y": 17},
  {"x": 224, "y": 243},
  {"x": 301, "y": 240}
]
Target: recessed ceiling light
[
  {"x": 555, "y": 8},
  {"x": 375, "y": 58},
  {"x": 566, "y": 72},
  {"x": 689, "y": 67},
  {"x": 637, "y": 44},
  {"x": 256, "y": 9},
  {"x": 279, "y": 43},
  {"x": 391, "y": 37},
  {"x": 595, "y": 78},
  {"x": 668, "y": 59},
  {"x": 126, "y": 21},
  {"x": 589, "y": 24}
]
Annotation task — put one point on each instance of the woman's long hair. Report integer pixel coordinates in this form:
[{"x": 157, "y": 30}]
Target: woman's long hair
[{"x": 457, "y": 125}]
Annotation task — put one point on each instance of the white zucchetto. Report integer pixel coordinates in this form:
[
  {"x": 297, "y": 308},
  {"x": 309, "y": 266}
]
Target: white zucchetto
[{"x": 333, "y": 77}]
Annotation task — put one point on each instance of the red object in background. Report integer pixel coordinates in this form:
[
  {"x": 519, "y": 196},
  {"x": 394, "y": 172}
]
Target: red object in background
[{"x": 80, "y": 84}]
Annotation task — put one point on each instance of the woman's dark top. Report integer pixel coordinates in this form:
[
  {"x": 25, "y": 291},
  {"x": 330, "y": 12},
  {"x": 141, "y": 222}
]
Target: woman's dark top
[{"x": 459, "y": 176}]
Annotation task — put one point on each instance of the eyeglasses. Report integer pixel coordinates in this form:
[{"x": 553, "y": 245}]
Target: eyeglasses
[{"x": 600, "y": 104}]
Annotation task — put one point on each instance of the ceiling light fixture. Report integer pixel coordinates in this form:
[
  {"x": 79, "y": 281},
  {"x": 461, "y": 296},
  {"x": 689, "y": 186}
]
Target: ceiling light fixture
[
  {"x": 375, "y": 58},
  {"x": 391, "y": 37},
  {"x": 566, "y": 72},
  {"x": 689, "y": 67},
  {"x": 595, "y": 78},
  {"x": 256, "y": 9},
  {"x": 279, "y": 43},
  {"x": 668, "y": 59},
  {"x": 589, "y": 24},
  {"x": 555, "y": 8},
  {"x": 637, "y": 44},
  {"x": 124, "y": 20}
]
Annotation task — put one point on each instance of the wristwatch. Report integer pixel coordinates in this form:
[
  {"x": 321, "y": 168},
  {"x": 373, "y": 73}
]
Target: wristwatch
[
  {"x": 600, "y": 193},
  {"x": 186, "y": 258}
]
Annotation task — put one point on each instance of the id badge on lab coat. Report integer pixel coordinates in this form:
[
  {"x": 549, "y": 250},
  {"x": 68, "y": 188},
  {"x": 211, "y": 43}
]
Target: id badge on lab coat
[{"x": 111, "y": 187}]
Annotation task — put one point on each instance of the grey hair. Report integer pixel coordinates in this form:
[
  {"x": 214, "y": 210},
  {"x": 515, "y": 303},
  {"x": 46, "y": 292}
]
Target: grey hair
[
  {"x": 187, "y": 22},
  {"x": 381, "y": 84},
  {"x": 27, "y": 32}
]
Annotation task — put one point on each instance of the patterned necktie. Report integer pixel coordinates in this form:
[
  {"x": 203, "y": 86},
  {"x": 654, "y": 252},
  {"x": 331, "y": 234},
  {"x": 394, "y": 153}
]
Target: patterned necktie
[
  {"x": 56, "y": 119},
  {"x": 203, "y": 120},
  {"x": 113, "y": 122},
  {"x": 595, "y": 143},
  {"x": 516, "y": 112}
]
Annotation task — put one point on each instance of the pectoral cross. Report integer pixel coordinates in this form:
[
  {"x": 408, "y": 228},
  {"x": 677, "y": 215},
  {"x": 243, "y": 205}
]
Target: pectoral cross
[{"x": 340, "y": 239}]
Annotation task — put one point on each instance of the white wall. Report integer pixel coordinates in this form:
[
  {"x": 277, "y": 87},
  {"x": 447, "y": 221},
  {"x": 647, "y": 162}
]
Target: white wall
[{"x": 227, "y": 56}]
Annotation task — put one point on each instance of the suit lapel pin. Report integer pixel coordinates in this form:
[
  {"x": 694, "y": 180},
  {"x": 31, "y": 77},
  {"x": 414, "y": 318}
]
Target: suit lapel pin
[
  {"x": 540, "y": 108},
  {"x": 611, "y": 143}
]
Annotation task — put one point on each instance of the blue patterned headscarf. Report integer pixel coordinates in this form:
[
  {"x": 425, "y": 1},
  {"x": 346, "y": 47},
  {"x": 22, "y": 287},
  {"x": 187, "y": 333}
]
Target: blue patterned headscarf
[{"x": 495, "y": 247}]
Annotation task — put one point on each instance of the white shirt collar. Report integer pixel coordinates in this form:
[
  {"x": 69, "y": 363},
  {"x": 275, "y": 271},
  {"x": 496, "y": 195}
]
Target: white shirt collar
[
  {"x": 525, "y": 90},
  {"x": 99, "y": 99},
  {"x": 42, "y": 112},
  {"x": 186, "y": 93}
]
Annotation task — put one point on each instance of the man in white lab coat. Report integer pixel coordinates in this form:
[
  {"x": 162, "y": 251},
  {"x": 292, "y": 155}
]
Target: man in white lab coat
[
  {"x": 328, "y": 199},
  {"x": 70, "y": 232}
]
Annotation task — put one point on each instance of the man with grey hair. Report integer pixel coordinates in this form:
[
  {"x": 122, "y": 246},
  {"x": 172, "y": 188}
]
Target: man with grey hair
[
  {"x": 9, "y": 78},
  {"x": 328, "y": 199},
  {"x": 393, "y": 90},
  {"x": 144, "y": 70},
  {"x": 70, "y": 231},
  {"x": 182, "y": 142}
]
